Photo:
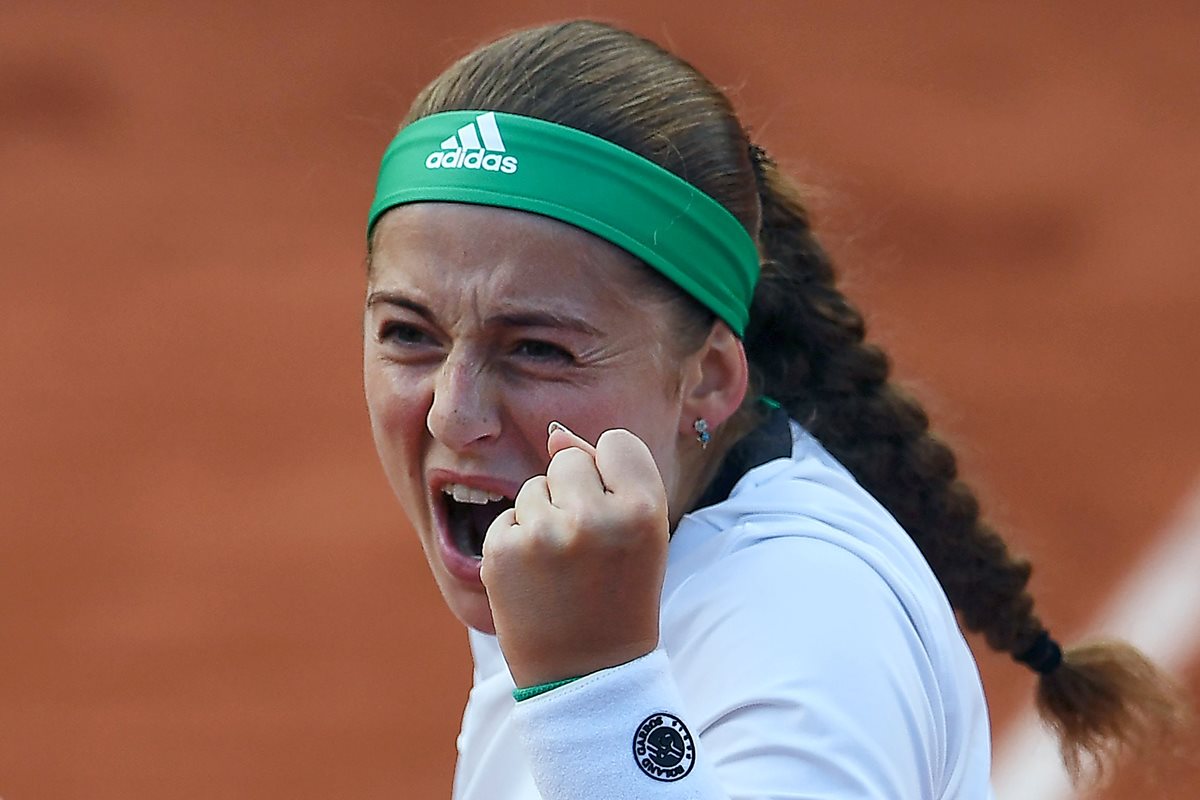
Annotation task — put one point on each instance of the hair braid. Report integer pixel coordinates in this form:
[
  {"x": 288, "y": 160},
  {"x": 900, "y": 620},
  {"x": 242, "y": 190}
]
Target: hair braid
[
  {"x": 807, "y": 349},
  {"x": 806, "y": 344}
]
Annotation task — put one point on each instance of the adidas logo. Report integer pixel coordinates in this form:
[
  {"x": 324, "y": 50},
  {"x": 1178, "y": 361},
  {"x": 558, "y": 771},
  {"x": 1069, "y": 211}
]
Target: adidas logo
[{"x": 476, "y": 145}]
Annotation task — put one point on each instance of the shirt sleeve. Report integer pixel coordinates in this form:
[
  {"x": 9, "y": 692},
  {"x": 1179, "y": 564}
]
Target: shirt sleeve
[
  {"x": 789, "y": 670},
  {"x": 617, "y": 733}
]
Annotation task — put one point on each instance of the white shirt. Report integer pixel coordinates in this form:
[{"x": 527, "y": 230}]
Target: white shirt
[{"x": 806, "y": 648}]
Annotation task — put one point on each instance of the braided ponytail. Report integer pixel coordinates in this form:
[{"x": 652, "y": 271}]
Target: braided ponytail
[{"x": 807, "y": 349}]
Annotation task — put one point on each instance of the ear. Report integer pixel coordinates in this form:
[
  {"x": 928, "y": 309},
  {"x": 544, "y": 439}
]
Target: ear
[{"x": 715, "y": 380}]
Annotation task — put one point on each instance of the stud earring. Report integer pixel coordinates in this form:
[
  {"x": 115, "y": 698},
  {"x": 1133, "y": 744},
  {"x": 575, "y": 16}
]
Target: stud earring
[{"x": 702, "y": 433}]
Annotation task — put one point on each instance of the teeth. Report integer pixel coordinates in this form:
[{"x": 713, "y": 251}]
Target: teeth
[{"x": 468, "y": 494}]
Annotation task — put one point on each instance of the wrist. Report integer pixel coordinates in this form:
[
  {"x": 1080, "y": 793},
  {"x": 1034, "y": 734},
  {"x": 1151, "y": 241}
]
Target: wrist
[{"x": 530, "y": 672}]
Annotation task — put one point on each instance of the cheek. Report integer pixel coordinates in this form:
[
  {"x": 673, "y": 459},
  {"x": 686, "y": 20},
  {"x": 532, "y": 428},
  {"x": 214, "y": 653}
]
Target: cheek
[
  {"x": 650, "y": 414},
  {"x": 398, "y": 419}
]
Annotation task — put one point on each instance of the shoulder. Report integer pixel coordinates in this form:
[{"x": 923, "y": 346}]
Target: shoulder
[
  {"x": 802, "y": 555},
  {"x": 800, "y": 603},
  {"x": 802, "y": 517},
  {"x": 803, "y": 602},
  {"x": 800, "y": 642}
]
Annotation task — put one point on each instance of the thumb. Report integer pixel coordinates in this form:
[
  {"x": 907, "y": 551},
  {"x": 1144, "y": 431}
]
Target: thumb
[{"x": 560, "y": 437}]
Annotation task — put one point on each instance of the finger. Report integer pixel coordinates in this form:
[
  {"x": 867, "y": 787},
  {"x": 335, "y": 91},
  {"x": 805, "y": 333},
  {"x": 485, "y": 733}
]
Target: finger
[
  {"x": 532, "y": 503},
  {"x": 572, "y": 479},
  {"x": 627, "y": 467},
  {"x": 498, "y": 530},
  {"x": 560, "y": 437}
]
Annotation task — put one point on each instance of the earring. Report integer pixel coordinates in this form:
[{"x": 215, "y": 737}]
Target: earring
[{"x": 702, "y": 434}]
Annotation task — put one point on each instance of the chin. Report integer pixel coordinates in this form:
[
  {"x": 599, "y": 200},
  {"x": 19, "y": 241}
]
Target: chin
[{"x": 472, "y": 610}]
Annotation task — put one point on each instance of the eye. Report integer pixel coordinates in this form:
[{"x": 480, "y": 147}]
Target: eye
[
  {"x": 538, "y": 350},
  {"x": 402, "y": 333}
]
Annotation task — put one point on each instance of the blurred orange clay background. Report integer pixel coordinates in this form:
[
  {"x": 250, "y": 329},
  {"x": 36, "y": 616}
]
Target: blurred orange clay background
[{"x": 206, "y": 588}]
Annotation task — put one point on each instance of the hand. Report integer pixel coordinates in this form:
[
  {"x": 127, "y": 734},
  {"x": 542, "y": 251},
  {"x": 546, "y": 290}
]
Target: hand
[{"x": 574, "y": 571}]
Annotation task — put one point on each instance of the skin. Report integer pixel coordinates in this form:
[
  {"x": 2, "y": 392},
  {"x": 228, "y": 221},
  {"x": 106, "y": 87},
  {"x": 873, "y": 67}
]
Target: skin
[{"x": 482, "y": 327}]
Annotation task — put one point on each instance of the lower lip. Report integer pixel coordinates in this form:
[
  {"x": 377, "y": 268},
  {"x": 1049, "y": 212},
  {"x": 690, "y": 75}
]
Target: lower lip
[{"x": 460, "y": 566}]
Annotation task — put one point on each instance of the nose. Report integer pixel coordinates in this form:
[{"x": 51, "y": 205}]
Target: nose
[{"x": 463, "y": 411}]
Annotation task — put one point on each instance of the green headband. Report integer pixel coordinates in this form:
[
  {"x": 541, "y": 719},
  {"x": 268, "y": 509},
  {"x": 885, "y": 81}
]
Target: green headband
[{"x": 589, "y": 182}]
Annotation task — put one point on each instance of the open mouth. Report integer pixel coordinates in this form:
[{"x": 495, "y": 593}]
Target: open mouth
[{"x": 469, "y": 514}]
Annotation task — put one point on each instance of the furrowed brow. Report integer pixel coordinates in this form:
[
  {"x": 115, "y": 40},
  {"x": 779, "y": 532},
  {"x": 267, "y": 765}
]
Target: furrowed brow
[
  {"x": 384, "y": 297},
  {"x": 544, "y": 319},
  {"x": 513, "y": 319}
]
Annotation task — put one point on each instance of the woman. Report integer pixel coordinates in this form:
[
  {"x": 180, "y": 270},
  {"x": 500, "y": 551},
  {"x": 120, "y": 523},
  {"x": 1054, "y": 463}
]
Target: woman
[{"x": 704, "y": 547}]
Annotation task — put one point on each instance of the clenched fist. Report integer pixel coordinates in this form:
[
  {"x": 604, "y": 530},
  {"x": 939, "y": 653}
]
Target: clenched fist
[{"x": 574, "y": 571}]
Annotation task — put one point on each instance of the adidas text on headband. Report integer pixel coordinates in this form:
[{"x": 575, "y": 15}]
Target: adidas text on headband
[{"x": 583, "y": 180}]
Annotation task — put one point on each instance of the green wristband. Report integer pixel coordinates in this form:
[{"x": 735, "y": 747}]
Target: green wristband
[{"x": 542, "y": 688}]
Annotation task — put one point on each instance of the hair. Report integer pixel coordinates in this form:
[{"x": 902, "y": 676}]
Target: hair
[{"x": 807, "y": 348}]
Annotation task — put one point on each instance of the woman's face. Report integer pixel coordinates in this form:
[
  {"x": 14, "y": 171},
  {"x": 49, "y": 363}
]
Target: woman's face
[{"x": 482, "y": 326}]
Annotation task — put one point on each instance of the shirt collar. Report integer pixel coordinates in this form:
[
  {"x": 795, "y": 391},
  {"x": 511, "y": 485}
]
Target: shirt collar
[{"x": 771, "y": 439}]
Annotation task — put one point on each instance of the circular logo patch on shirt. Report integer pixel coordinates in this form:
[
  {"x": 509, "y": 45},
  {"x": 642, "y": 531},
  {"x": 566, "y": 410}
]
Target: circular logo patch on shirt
[{"x": 663, "y": 747}]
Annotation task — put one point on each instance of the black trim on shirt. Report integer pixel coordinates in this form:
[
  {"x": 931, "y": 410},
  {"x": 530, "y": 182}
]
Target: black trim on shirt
[{"x": 772, "y": 439}]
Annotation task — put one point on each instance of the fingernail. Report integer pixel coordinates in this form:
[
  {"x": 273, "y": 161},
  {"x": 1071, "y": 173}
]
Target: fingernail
[{"x": 555, "y": 426}]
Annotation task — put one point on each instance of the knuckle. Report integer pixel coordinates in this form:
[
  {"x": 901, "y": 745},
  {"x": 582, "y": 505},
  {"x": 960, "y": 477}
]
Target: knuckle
[
  {"x": 495, "y": 561},
  {"x": 497, "y": 540},
  {"x": 642, "y": 508},
  {"x": 567, "y": 459},
  {"x": 531, "y": 489},
  {"x": 577, "y": 522},
  {"x": 543, "y": 540},
  {"x": 571, "y": 453},
  {"x": 616, "y": 437}
]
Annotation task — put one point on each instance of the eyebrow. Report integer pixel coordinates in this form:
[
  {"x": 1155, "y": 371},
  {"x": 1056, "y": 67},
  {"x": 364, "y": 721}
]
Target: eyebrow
[
  {"x": 380, "y": 296},
  {"x": 531, "y": 318}
]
